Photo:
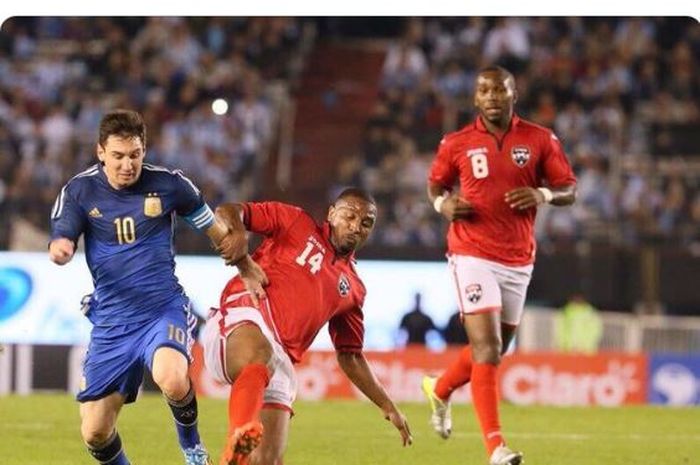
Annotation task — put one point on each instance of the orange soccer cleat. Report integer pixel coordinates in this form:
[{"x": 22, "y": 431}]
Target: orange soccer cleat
[{"x": 241, "y": 443}]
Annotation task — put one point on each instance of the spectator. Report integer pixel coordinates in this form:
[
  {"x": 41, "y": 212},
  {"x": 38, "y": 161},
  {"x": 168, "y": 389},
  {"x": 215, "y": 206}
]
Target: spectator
[{"x": 453, "y": 332}]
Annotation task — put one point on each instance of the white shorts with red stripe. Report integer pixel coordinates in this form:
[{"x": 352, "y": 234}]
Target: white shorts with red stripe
[
  {"x": 484, "y": 286},
  {"x": 282, "y": 389}
]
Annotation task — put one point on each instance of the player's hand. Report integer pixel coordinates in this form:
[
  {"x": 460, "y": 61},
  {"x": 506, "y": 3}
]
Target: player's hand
[
  {"x": 254, "y": 278},
  {"x": 456, "y": 208},
  {"x": 523, "y": 198},
  {"x": 61, "y": 250},
  {"x": 233, "y": 247},
  {"x": 399, "y": 421}
]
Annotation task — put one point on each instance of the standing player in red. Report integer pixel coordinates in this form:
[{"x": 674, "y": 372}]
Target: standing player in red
[
  {"x": 506, "y": 167},
  {"x": 257, "y": 335}
]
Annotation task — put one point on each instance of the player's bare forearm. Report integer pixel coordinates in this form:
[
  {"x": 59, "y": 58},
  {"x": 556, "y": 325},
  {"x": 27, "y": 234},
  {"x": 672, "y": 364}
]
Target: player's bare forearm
[
  {"x": 217, "y": 231},
  {"x": 254, "y": 278},
  {"x": 563, "y": 196},
  {"x": 356, "y": 368},
  {"x": 523, "y": 198}
]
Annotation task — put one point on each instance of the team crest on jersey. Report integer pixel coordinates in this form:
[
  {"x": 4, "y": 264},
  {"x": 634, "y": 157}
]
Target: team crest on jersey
[
  {"x": 343, "y": 285},
  {"x": 520, "y": 155},
  {"x": 473, "y": 292},
  {"x": 152, "y": 206}
]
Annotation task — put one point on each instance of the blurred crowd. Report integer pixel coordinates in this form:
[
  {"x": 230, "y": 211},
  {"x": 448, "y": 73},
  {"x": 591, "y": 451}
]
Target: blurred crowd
[
  {"x": 59, "y": 75},
  {"x": 622, "y": 94}
]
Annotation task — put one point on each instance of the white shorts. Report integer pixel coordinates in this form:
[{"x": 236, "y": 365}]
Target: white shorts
[
  {"x": 485, "y": 286},
  {"x": 282, "y": 389}
]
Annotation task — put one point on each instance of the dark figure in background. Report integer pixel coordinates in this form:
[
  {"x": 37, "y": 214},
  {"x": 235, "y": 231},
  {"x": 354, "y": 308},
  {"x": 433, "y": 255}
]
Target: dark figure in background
[
  {"x": 454, "y": 333},
  {"x": 416, "y": 323}
]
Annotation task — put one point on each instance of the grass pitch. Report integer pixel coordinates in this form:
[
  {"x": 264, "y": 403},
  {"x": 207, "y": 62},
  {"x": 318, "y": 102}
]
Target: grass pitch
[{"x": 43, "y": 430}]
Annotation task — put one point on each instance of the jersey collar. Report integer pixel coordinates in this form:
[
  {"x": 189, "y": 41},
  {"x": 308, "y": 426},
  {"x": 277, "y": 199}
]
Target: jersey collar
[{"x": 103, "y": 177}]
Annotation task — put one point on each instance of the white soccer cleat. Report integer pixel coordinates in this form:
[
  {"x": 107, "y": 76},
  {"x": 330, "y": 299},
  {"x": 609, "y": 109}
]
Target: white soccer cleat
[
  {"x": 441, "y": 418},
  {"x": 502, "y": 455}
]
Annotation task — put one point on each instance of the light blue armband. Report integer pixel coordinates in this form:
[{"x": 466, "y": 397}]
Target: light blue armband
[{"x": 201, "y": 219}]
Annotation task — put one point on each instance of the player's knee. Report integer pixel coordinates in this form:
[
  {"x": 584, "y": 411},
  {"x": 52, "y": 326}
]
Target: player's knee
[
  {"x": 487, "y": 352},
  {"x": 95, "y": 435},
  {"x": 173, "y": 384}
]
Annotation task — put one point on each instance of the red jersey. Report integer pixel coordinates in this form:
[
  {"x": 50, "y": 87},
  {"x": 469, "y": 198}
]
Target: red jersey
[
  {"x": 309, "y": 284},
  {"x": 487, "y": 167}
]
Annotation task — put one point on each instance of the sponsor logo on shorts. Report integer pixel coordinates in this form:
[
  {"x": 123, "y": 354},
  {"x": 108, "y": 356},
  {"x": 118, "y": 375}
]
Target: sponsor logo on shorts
[
  {"x": 343, "y": 285},
  {"x": 473, "y": 292}
]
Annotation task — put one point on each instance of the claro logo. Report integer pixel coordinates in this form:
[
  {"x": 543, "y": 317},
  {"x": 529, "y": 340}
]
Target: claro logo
[
  {"x": 526, "y": 384},
  {"x": 15, "y": 288}
]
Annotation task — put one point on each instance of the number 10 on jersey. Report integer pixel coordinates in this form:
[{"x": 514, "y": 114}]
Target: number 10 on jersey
[{"x": 126, "y": 229}]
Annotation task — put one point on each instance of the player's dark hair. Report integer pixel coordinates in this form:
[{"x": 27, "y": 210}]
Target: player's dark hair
[
  {"x": 357, "y": 193},
  {"x": 122, "y": 123},
  {"x": 497, "y": 69}
]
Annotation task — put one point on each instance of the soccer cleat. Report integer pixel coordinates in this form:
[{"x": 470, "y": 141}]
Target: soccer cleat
[
  {"x": 441, "y": 418},
  {"x": 502, "y": 455},
  {"x": 241, "y": 443},
  {"x": 197, "y": 455}
]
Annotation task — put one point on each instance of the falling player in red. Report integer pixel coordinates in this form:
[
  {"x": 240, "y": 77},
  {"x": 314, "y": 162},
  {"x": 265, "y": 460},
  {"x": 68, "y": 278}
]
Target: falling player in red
[
  {"x": 257, "y": 335},
  {"x": 506, "y": 167}
]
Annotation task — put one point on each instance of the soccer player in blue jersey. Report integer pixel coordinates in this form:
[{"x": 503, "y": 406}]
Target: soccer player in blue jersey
[{"x": 141, "y": 316}]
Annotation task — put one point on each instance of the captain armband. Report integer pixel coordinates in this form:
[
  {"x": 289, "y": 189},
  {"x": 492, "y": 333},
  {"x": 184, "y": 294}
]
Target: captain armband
[{"x": 201, "y": 219}]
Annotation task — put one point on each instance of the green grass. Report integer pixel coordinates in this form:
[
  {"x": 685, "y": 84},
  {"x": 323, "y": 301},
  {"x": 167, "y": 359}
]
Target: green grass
[{"x": 43, "y": 430}]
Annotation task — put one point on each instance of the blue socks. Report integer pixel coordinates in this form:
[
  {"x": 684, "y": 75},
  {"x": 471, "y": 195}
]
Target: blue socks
[{"x": 185, "y": 415}]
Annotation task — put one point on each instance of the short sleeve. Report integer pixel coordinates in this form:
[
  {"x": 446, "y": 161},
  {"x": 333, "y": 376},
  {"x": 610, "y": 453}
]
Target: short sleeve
[
  {"x": 347, "y": 331},
  {"x": 443, "y": 171},
  {"x": 556, "y": 169},
  {"x": 67, "y": 217},
  {"x": 190, "y": 204},
  {"x": 269, "y": 218}
]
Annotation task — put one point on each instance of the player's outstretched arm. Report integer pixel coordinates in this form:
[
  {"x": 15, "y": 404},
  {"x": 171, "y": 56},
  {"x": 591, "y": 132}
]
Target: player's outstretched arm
[
  {"x": 61, "y": 250},
  {"x": 356, "y": 368},
  {"x": 228, "y": 233}
]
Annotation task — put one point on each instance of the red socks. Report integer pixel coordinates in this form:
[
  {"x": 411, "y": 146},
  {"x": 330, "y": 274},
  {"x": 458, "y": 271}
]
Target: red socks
[
  {"x": 246, "y": 398},
  {"x": 485, "y": 398},
  {"x": 457, "y": 375}
]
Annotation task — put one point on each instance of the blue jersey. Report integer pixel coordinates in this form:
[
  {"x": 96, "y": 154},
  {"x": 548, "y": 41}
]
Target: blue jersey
[{"x": 129, "y": 239}]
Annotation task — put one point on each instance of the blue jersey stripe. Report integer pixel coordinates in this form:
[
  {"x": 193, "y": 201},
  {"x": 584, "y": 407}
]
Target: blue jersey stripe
[{"x": 60, "y": 200}]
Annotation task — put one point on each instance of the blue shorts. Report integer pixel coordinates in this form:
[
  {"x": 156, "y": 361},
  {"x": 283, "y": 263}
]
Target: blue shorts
[{"x": 117, "y": 355}]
